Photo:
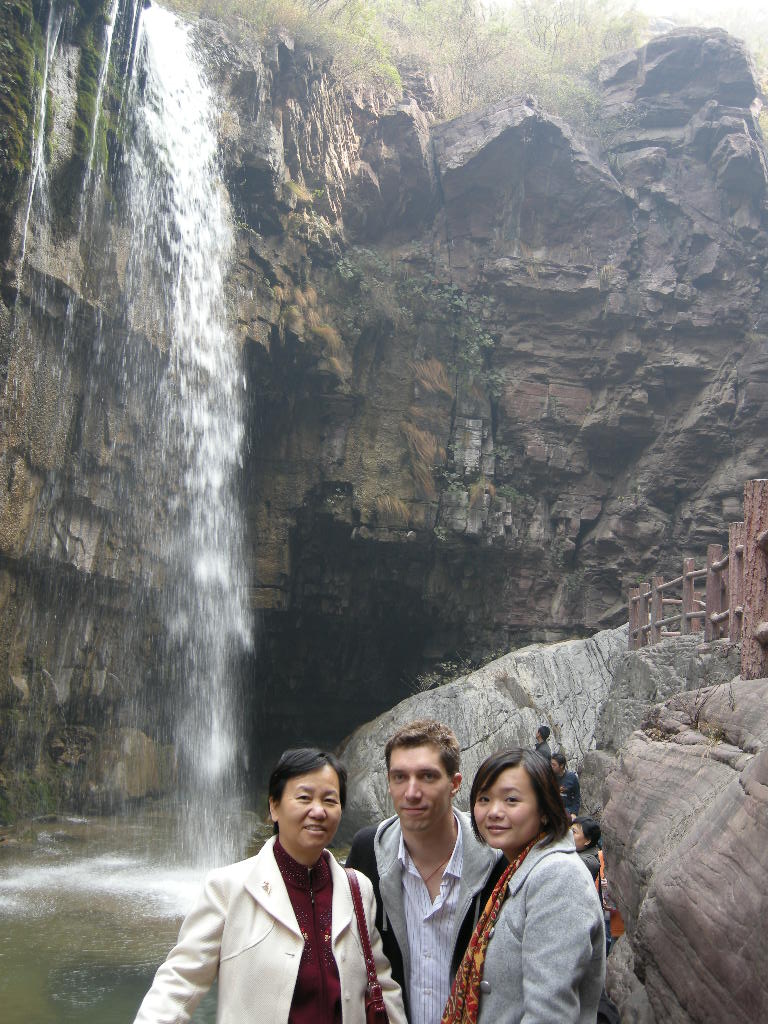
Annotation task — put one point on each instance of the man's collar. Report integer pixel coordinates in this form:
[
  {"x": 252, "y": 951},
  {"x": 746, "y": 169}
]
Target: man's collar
[{"x": 454, "y": 865}]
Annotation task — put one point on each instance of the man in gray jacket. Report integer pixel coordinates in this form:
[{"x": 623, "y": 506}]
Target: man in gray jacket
[{"x": 430, "y": 875}]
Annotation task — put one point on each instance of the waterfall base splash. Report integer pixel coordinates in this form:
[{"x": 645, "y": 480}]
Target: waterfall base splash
[{"x": 90, "y": 909}]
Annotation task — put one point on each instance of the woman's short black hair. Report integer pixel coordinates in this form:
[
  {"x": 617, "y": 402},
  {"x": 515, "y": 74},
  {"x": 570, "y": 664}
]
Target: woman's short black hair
[
  {"x": 302, "y": 761},
  {"x": 590, "y": 828},
  {"x": 554, "y": 820}
]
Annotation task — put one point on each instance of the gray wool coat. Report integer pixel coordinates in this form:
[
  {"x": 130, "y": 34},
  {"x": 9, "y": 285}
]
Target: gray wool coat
[{"x": 545, "y": 963}]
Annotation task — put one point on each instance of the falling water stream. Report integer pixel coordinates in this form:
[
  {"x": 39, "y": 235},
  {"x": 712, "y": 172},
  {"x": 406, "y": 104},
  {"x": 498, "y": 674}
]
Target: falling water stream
[
  {"x": 177, "y": 266},
  {"x": 38, "y": 179},
  {"x": 89, "y": 908}
]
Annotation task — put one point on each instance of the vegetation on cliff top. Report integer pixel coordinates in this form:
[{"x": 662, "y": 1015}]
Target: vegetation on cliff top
[
  {"x": 20, "y": 38},
  {"x": 464, "y": 53}
]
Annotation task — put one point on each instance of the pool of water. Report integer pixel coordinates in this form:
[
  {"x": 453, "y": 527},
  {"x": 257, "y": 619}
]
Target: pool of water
[{"x": 88, "y": 910}]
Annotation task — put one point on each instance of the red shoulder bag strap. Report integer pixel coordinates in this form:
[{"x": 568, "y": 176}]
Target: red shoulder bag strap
[
  {"x": 375, "y": 1008},
  {"x": 362, "y": 926}
]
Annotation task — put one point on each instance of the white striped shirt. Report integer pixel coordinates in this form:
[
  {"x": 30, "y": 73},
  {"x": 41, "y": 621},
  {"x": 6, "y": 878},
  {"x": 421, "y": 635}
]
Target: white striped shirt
[{"x": 430, "y": 934}]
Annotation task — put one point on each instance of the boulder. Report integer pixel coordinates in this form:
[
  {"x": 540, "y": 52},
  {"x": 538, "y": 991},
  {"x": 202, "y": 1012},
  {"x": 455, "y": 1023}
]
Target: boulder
[
  {"x": 501, "y": 705},
  {"x": 624, "y": 987},
  {"x": 647, "y": 676},
  {"x": 685, "y": 831},
  {"x": 511, "y": 164}
]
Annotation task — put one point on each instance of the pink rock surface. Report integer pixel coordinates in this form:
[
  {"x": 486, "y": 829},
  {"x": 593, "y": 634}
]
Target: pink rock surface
[{"x": 686, "y": 837}]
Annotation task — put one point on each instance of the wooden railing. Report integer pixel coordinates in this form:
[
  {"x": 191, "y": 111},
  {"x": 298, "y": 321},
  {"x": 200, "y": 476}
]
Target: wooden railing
[{"x": 733, "y": 602}]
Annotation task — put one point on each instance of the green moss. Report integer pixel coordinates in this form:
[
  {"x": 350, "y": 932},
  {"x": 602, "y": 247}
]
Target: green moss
[
  {"x": 88, "y": 34},
  {"x": 6, "y": 814},
  {"x": 27, "y": 795},
  {"x": 87, "y": 89},
  {"x": 91, "y": 11},
  {"x": 20, "y": 40}
]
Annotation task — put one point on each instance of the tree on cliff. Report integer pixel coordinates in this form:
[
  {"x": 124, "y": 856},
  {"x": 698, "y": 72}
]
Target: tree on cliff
[
  {"x": 471, "y": 52},
  {"x": 474, "y": 52}
]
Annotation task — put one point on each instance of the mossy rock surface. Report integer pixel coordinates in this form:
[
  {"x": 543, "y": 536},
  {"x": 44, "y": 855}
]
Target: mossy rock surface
[
  {"x": 28, "y": 796},
  {"x": 88, "y": 34},
  {"x": 21, "y": 39}
]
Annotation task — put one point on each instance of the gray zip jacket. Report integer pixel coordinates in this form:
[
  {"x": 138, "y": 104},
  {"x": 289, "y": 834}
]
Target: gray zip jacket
[{"x": 545, "y": 962}]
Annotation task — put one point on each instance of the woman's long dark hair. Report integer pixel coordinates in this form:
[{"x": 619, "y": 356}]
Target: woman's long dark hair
[
  {"x": 554, "y": 820},
  {"x": 302, "y": 761}
]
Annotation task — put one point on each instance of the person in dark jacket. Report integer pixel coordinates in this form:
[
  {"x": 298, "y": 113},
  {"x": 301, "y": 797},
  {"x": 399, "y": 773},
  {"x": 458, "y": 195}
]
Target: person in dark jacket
[
  {"x": 570, "y": 790},
  {"x": 541, "y": 746},
  {"x": 431, "y": 877},
  {"x": 586, "y": 836}
]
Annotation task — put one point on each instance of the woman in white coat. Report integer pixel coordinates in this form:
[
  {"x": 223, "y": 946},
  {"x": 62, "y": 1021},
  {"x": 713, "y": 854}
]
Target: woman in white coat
[{"x": 279, "y": 930}]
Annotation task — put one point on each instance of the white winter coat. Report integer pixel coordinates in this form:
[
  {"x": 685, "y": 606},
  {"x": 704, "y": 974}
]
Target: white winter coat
[{"x": 244, "y": 930}]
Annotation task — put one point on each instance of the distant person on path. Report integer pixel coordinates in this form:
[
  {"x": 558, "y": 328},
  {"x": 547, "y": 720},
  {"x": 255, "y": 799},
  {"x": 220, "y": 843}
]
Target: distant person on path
[
  {"x": 279, "y": 930},
  {"x": 570, "y": 790},
  {"x": 430, "y": 875},
  {"x": 542, "y": 747},
  {"x": 586, "y": 836},
  {"x": 538, "y": 951}
]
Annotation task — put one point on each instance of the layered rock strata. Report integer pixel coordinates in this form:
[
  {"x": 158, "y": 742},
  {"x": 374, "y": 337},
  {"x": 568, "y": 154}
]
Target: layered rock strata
[
  {"x": 641, "y": 680},
  {"x": 685, "y": 831},
  {"x": 494, "y": 372},
  {"x": 512, "y": 409}
]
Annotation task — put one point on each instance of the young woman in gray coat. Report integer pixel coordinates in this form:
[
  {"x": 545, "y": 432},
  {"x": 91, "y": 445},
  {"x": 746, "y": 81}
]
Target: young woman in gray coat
[{"x": 538, "y": 952}]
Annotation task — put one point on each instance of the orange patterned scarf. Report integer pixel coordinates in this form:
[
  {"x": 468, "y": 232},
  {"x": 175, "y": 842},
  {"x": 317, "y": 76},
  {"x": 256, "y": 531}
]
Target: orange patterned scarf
[{"x": 463, "y": 1003}]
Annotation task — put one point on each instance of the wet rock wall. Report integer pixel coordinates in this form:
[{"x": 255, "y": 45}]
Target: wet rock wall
[{"x": 495, "y": 373}]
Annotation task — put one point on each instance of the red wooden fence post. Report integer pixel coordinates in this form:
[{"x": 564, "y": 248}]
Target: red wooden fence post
[
  {"x": 657, "y": 612},
  {"x": 642, "y": 614},
  {"x": 686, "y": 624},
  {"x": 714, "y": 595},
  {"x": 754, "y": 645},
  {"x": 634, "y": 592},
  {"x": 735, "y": 580}
]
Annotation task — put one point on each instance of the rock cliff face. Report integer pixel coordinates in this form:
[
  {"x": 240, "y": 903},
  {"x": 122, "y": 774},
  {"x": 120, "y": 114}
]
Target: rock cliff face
[
  {"x": 494, "y": 372},
  {"x": 685, "y": 833},
  {"x": 549, "y": 381}
]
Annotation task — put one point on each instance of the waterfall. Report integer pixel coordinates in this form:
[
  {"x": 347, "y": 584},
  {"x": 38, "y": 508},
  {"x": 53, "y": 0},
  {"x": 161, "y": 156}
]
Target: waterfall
[
  {"x": 109, "y": 32},
  {"x": 120, "y": 322},
  {"x": 38, "y": 179},
  {"x": 180, "y": 240}
]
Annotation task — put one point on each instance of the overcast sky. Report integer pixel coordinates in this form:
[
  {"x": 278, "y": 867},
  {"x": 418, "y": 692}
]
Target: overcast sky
[{"x": 690, "y": 10}]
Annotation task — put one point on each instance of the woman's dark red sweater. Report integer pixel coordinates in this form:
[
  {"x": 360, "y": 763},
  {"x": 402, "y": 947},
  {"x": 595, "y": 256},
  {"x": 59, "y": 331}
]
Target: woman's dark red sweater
[{"x": 317, "y": 996}]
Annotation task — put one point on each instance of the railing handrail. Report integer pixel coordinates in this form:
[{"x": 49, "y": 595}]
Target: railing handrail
[{"x": 736, "y": 591}]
